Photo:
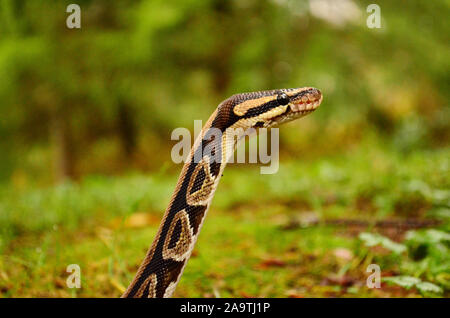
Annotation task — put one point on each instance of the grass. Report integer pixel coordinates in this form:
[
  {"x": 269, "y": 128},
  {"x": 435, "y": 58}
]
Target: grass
[{"x": 265, "y": 235}]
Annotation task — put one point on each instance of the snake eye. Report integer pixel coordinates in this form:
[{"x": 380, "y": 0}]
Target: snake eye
[{"x": 283, "y": 99}]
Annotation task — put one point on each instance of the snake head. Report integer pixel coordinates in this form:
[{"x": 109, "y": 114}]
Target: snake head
[
  {"x": 293, "y": 104},
  {"x": 266, "y": 108}
]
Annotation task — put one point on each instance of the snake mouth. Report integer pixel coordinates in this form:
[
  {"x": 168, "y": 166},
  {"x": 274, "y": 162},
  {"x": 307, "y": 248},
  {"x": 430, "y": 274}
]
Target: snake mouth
[
  {"x": 300, "y": 105},
  {"x": 306, "y": 102}
]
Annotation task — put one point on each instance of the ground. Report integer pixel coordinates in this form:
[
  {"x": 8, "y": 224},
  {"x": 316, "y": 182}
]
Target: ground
[{"x": 308, "y": 231}]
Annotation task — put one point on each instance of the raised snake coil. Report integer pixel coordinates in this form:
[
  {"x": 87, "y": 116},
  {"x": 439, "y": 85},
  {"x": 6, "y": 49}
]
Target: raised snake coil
[{"x": 164, "y": 263}]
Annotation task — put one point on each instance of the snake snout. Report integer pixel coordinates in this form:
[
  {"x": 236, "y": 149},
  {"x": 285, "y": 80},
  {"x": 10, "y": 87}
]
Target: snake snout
[
  {"x": 307, "y": 101},
  {"x": 315, "y": 95}
]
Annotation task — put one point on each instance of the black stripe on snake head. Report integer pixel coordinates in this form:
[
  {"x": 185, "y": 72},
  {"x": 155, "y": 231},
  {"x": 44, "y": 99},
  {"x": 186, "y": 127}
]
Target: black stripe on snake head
[{"x": 261, "y": 105}]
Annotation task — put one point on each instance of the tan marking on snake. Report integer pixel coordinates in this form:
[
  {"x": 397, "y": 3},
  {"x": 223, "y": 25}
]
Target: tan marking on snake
[
  {"x": 184, "y": 244},
  {"x": 242, "y": 108},
  {"x": 201, "y": 196},
  {"x": 150, "y": 282}
]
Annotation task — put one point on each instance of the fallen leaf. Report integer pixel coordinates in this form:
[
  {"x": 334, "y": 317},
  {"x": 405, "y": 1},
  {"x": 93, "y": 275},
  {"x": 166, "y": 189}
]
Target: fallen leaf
[
  {"x": 293, "y": 293},
  {"x": 343, "y": 253},
  {"x": 296, "y": 296},
  {"x": 117, "y": 285},
  {"x": 339, "y": 280},
  {"x": 272, "y": 262}
]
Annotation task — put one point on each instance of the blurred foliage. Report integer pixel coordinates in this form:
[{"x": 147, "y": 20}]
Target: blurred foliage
[{"x": 105, "y": 97}]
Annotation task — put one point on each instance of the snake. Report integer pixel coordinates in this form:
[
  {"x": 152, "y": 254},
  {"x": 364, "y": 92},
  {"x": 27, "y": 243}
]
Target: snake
[{"x": 164, "y": 263}]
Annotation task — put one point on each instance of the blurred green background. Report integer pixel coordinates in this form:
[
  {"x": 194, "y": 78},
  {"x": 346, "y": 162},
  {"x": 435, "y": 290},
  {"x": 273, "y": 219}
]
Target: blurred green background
[{"x": 86, "y": 118}]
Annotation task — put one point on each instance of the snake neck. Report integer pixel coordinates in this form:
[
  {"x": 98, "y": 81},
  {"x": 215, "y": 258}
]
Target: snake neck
[{"x": 164, "y": 263}]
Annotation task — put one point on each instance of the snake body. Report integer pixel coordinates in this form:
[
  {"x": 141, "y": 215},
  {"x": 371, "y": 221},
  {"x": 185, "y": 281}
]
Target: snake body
[{"x": 164, "y": 263}]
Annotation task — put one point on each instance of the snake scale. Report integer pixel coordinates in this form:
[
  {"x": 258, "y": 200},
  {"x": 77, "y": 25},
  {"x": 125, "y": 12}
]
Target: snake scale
[{"x": 164, "y": 263}]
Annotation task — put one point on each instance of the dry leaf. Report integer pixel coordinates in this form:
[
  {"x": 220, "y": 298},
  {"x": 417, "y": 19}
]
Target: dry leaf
[
  {"x": 343, "y": 253},
  {"x": 272, "y": 262}
]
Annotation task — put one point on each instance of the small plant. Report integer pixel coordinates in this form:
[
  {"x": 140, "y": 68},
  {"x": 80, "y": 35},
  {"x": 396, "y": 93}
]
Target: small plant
[
  {"x": 427, "y": 256},
  {"x": 375, "y": 239},
  {"x": 408, "y": 282}
]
